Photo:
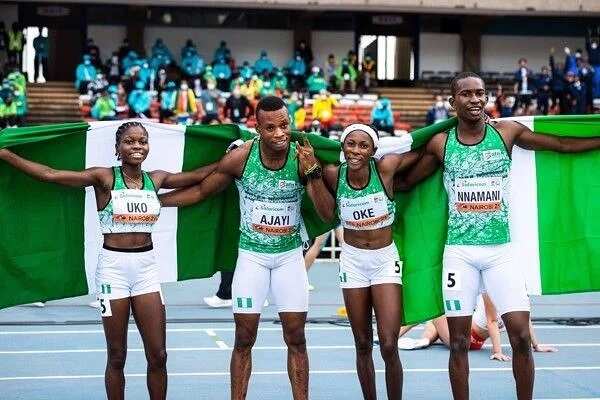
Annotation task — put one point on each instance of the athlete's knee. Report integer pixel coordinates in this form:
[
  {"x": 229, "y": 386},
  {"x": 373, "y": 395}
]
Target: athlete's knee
[
  {"x": 116, "y": 357},
  {"x": 295, "y": 340},
  {"x": 388, "y": 348},
  {"x": 520, "y": 341},
  {"x": 157, "y": 359},
  {"x": 459, "y": 344},
  {"x": 244, "y": 341},
  {"x": 364, "y": 345}
]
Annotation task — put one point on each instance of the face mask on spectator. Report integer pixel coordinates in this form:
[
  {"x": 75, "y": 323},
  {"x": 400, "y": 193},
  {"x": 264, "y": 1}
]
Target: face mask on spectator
[
  {"x": 236, "y": 93},
  {"x": 115, "y": 59},
  {"x": 379, "y": 105},
  {"x": 315, "y": 70},
  {"x": 184, "y": 86},
  {"x": 594, "y": 45},
  {"x": 439, "y": 104},
  {"x": 210, "y": 86}
]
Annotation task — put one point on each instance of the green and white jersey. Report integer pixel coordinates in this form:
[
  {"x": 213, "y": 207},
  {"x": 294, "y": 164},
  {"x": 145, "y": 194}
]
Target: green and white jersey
[
  {"x": 130, "y": 210},
  {"x": 367, "y": 208},
  {"x": 477, "y": 181},
  {"x": 270, "y": 204}
]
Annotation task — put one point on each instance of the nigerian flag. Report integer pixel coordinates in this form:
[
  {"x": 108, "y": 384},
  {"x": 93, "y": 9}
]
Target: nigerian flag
[{"x": 50, "y": 237}]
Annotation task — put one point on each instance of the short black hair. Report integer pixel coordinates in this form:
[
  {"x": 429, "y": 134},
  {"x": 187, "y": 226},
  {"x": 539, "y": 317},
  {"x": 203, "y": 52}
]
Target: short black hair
[
  {"x": 269, "y": 103},
  {"x": 125, "y": 127},
  {"x": 460, "y": 77}
]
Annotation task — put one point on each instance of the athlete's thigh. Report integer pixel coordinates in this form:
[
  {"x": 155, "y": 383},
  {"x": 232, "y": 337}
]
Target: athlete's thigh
[
  {"x": 289, "y": 283},
  {"x": 251, "y": 281},
  {"x": 504, "y": 282},
  {"x": 149, "y": 314},
  {"x": 359, "y": 306},
  {"x": 460, "y": 280},
  {"x": 387, "y": 303},
  {"x": 115, "y": 325}
]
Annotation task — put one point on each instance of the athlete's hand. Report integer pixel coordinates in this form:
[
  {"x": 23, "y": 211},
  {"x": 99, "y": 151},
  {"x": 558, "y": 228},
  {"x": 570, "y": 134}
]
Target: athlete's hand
[
  {"x": 540, "y": 348},
  {"x": 4, "y": 153},
  {"x": 306, "y": 154},
  {"x": 499, "y": 357}
]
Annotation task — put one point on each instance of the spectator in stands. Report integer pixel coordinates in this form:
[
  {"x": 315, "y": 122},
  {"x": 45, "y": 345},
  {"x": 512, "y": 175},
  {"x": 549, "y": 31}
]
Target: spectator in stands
[
  {"x": 209, "y": 102},
  {"x": 146, "y": 74},
  {"x": 84, "y": 74},
  {"x": 192, "y": 64},
  {"x": 315, "y": 82},
  {"x": 591, "y": 44},
  {"x": 263, "y": 64},
  {"x": 139, "y": 101},
  {"x": 105, "y": 108},
  {"x": 168, "y": 102},
  {"x": 305, "y": 52},
  {"x": 353, "y": 59},
  {"x": 124, "y": 49},
  {"x": 382, "y": 116},
  {"x": 222, "y": 52},
  {"x": 40, "y": 45},
  {"x": 239, "y": 81},
  {"x": 8, "y": 107},
  {"x": 296, "y": 70},
  {"x": 209, "y": 75},
  {"x": 586, "y": 76},
  {"x": 543, "y": 90},
  {"x": 17, "y": 79},
  {"x": 159, "y": 61},
  {"x": 438, "y": 112},
  {"x": 113, "y": 68},
  {"x": 246, "y": 71},
  {"x": 189, "y": 48},
  {"x": 222, "y": 71},
  {"x": 160, "y": 48},
  {"x": 323, "y": 109},
  {"x": 237, "y": 108},
  {"x": 267, "y": 89},
  {"x": 15, "y": 44},
  {"x": 93, "y": 50},
  {"x": 129, "y": 61},
  {"x": 98, "y": 85},
  {"x": 280, "y": 82},
  {"x": 330, "y": 70},
  {"x": 187, "y": 108},
  {"x": 251, "y": 88},
  {"x": 503, "y": 103},
  {"x": 18, "y": 83},
  {"x": 368, "y": 73},
  {"x": 295, "y": 107},
  {"x": 570, "y": 62},
  {"x": 575, "y": 94},
  {"x": 346, "y": 76},
  {"x": 524, "y": 84}
]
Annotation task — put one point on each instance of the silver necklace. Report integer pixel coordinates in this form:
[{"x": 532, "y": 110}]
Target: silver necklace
[{"x": 137, "y": 182}]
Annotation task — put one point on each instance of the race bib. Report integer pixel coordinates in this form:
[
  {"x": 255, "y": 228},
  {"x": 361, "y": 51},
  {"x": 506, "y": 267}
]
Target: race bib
[
  {"x": 364, "y": 212},
  {"x": 274, "y": 218},
  {"x": 133, "y": 206},
  {"x": 478, "y": 194}
]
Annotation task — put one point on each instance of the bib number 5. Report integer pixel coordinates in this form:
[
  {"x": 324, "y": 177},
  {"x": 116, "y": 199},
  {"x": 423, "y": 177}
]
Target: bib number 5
[{"x": 452, "y": 280}]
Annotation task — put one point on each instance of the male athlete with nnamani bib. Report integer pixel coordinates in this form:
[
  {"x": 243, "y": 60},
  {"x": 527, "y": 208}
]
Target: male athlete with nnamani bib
[{"x": 476, "y": 161}]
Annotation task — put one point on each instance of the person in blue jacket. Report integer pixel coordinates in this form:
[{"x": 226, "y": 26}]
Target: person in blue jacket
[
  {"x": 160, "y": 47},
  {"x": 189, "y": 47},
  {"x": 168, "y": 101},
  {"x": 139, "y": 101},
  {"x": 222, "y": 52},
  {"x": 146, "y": 73},
  {"x": 263, "y": 64},
  {"x": 192, "y": 65},
  {"x": 129, "y": 60},
  {"x": 246, "y": 71},
  {"x": 296, "y": 69},
  {"x": 222, "y": 72},
  {"x": 84, "y": 74},
  {"x": 382, "y": 116}
]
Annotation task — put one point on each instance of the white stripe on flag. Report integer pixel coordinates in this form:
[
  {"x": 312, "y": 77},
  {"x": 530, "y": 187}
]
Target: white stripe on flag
[
  {"x": 166, "y": 153},
  {"x": 524, "y": 214}
]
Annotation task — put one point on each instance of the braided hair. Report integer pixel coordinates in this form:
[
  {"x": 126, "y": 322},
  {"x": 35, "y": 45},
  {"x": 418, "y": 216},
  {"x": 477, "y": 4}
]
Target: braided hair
[{"x": 124, "y": 128}]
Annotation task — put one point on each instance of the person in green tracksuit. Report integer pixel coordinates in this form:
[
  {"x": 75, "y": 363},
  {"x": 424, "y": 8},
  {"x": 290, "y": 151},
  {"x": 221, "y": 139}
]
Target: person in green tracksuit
[
  {"x": 476, "y": 160},
  {"x": 268, "y": 177}
]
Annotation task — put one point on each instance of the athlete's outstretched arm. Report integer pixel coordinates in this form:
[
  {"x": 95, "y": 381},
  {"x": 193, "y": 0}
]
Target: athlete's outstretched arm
[
  {"x": 394, "y": 163},
  {"x": 536, "y": 345},
  {"x": 529, "y": 140},
  {"x": 426, "y": 165},
  {"x": 169, "y": 180},
  {"x": 44, "y": 173},
  {"x": 227, "y": 169},
  {"x": 315, "y": 186},
  {"x": 491, "y": 316}
]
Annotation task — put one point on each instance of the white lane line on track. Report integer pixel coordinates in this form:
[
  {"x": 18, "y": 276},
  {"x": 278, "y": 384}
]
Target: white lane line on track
[
  {"x": 218, "y": 341},
  {"x": 314, "y": 372},
  {"x": 224, "y": 346},
  {"x": 265, "y": 329}
]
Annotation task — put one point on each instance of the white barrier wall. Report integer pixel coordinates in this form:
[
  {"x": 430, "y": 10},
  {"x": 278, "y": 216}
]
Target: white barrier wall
[
  {"x": 331, "y": 42},
  {"x": 501, "y": 53},
  {"x": 108, "y": 38},
  {"x": 440, "y": 52},
  {"x": 245, "y": 44}
]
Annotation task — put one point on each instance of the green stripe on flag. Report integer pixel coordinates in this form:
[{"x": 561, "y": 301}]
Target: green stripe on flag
[{"x": 41, "y": 240}]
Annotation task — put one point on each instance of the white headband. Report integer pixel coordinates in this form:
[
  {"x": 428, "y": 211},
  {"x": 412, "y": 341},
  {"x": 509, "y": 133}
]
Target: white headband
[{"x": 360, "y": 127}]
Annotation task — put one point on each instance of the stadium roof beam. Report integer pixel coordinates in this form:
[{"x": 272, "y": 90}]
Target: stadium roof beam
[{"x": 475, "y": 7}]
